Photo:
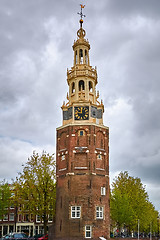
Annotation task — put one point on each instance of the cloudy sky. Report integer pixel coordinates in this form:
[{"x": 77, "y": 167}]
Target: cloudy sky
[{"x": 36, "y": 40}]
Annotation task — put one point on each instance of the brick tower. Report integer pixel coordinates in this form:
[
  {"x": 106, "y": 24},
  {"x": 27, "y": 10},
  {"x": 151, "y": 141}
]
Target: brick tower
[{"x": 82, "y": 206}]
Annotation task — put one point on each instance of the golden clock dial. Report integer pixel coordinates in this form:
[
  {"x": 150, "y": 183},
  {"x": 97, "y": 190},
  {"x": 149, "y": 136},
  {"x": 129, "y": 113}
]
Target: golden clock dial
[{"x": 81, "y": 113}]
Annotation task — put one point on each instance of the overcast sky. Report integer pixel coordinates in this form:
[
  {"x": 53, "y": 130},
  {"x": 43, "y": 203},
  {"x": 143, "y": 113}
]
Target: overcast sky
[{"x": 36, "y": 39}]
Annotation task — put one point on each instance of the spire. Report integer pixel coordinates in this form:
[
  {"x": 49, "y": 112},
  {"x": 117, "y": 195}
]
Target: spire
[
  {"x": 82, "y": 81},
  {"x": 82, "y": 15}
]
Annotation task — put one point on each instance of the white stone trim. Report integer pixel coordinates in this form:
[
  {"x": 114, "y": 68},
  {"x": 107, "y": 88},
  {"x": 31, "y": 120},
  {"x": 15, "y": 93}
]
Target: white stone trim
[
  {"x": 101, "y": 169},
  {"x": 63, "y": 169},
  {"x": 80, "y": 168},
  {"x": 62, "y": 150},
  {"x": 70, "y": 174},
  {"x": 80, "y": 147}
]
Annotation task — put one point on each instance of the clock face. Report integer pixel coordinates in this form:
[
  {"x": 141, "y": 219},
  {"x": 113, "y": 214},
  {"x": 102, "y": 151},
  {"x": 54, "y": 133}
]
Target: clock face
[{"x": 81, "y": 113}]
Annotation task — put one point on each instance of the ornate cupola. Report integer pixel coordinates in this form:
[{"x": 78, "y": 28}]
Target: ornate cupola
[{"x": 82, "y": 99}]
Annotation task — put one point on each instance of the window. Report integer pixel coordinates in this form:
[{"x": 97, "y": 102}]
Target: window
[
  {"x": 38, "y": 219},
  {"x": 75, "y": 211},
  {"x": 103, "y": 191},
  {"x": 81, "y": 85},
  {"x": 73, "y": 87},
  {"x": 63, "y": 157},
  {"x": 76, "y": 57},
  {"x": 99, "y": 157},
  {"x": 81, "y": 56},
  {"x": 81, "y": 133},
  {"x": 90, "y": 86},
  {"x": 99, "y": 212},
  {"x": 88, "y": 231},
  {"x": 11, "y": 217},
  {"x": 86, "y": 56},
  {"x": 26, "y": 218},
  {"x": 5, "y": 218},
  {"x": 50, "y": 218}
]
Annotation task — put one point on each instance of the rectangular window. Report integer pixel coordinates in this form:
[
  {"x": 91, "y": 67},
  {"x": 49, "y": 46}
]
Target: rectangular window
[
  {"x": 99, "y": 212},
  {"x": 50, "y": 218},
  {"x": 88, "y": 231},
  {"x": 63, "y": 157},
  {"x": 75, "y": 211},
  {"x": 103, "y": 191},
  {"x": 11, "y": 217},
  {"x": 81, "y": 133},
  {"x": 38, "y": 219},
  {"x": 26, "y": 218},
  {"x": 5, "y": 218}
]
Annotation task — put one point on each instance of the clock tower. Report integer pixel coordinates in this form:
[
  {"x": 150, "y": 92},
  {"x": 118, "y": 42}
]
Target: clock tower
[{"x": 82, "y": 204}]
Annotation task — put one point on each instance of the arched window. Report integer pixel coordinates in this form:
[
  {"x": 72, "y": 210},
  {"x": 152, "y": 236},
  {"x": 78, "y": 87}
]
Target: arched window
[
  {"x": 90, "y": 86},
  {"x": 81, "y": 85},
  {"x": 73, "y": 87},
  {"x": 81, "y": 56},
  {"x": 76, "y": 57},
  {"x": 86, "y": 56}
]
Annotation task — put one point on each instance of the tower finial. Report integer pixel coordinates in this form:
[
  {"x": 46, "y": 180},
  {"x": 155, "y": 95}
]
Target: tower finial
[{"x": 81, "y": 14}]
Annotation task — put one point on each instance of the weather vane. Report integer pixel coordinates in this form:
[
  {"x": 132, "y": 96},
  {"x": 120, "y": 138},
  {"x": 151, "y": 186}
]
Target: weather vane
[{"x": 81, "y": 14}]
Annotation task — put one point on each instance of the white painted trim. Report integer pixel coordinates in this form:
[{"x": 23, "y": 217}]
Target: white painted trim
[
  {"x": 63, "y": 169},
  {"x": 101, "y": 169}
]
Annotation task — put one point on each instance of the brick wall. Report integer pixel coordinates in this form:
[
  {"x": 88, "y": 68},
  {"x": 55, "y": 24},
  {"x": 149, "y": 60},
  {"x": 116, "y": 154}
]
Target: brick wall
[{"x": 81, "y": 172}]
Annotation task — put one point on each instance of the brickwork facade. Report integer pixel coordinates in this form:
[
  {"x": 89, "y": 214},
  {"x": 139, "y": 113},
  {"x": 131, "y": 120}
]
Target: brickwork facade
[{"x": 82, "y": 155}]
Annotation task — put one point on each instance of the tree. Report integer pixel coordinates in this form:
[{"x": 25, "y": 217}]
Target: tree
[
  {"x": 35, "y": 187},
  {"x": 130, "y": 204},
  {"x": 5, "y": 195}
]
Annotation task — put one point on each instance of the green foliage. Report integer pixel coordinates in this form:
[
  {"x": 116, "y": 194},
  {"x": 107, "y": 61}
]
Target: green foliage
[
  {"x": 130, "y": 203},
  {"x": 35, "y": 188},
  {"x": 5, "y": 195}
]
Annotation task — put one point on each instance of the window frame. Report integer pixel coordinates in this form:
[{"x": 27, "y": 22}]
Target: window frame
[
  {"x": 50, "y": 218},
  {"x": 63, "y": 158},
  {"x": 76, "y": 211},
  {"x": 38, "y": 219},
  {"x": 103, "y": 191},
  {"x": 88, "y": 231},
  {"x": 99, "y": 212},
  {"x": 5, "y": 217},
  {"x": 11, "y": 217}
]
